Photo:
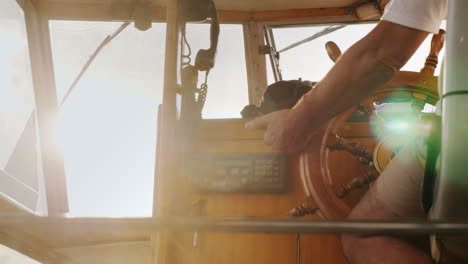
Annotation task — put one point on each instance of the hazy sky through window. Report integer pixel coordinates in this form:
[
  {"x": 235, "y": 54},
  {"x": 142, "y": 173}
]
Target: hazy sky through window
[
  {"x": 16, "y": 90},
  {"x": 10, "y": 256},
  {"x": 107, "y": 128},
  {"x": 310, "y": 60}
]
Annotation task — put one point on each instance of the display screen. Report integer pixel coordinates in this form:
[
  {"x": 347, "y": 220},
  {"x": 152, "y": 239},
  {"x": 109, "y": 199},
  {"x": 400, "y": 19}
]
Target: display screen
[
  {"x": 239, "y": 172},
  {"x": 233, "y": 163}
]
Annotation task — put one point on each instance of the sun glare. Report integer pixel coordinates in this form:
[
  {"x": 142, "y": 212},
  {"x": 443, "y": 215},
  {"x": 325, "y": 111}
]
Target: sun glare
[{"x": 107, "y": 126}]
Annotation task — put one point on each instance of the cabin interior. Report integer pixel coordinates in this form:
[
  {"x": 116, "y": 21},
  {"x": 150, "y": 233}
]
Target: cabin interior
[{"x": 106, "y": 125}]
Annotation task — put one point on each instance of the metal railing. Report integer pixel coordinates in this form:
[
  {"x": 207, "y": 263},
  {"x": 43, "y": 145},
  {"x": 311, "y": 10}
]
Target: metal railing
[{"x": 231, "y": 224}]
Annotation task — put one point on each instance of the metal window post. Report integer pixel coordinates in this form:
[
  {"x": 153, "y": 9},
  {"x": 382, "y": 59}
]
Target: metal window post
[{"x": 451, "y": 202}]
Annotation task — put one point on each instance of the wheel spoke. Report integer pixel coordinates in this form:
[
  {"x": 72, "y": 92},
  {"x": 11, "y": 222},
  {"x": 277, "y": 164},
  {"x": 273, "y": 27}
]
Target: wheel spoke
[
  {"x": 365, "y": 179},
  {"x": 336, "y": 142},
  {"x": 308, "y": 207}
]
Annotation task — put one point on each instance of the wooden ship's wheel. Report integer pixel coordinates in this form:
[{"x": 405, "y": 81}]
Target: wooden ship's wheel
[{"x": 347, "y": 155}]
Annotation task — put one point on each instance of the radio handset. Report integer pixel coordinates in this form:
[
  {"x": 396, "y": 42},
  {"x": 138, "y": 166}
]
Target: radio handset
[
  {"x": 205, "y": 59},
  {"x": 200, "y": 10},
  {"x": 195, "y": 11}
]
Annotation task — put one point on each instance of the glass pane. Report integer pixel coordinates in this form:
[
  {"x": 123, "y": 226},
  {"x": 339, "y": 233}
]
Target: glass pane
[
  {"x": 9, "y": 256},
  {"x": 17, "y": 120},
  {"x": 310, "y": 60},
  {"x": 227, "y": 81},
  {"x": 16, "y": 90},
  {"x": 107, "y": 126}
]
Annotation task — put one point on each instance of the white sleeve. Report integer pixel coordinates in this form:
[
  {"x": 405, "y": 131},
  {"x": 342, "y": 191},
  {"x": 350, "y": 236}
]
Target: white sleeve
[{"x": 425, "y": 15}]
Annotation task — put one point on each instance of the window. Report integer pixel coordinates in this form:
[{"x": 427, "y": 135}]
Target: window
[
  {"x": 9, "y": 256},
  {"x": 107, "y": 126},
  {"x": 17, "y": 126},
  {"x": 227, "y": 81},
  {"x": 310, "y": 61}
]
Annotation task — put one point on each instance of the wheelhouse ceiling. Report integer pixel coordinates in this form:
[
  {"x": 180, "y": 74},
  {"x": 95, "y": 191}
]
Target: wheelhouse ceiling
[{"x": 246, "y": 5}]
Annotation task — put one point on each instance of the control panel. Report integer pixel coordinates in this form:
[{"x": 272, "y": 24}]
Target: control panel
[{"x": 246, "y": 172}]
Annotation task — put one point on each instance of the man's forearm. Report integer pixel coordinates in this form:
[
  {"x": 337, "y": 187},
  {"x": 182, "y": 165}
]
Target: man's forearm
[
  {"x": 367, "y": 65},
  {"x": 352, "y": 79}
]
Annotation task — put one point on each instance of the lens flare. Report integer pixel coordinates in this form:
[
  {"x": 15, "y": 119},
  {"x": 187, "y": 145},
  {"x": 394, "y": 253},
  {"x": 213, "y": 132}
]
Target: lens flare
[
  {"x": 397, "y": 126},
  {"x": 394, "y": 124}
]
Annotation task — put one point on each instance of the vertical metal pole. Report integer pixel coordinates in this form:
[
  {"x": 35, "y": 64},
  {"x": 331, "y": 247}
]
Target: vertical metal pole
[
  {"x": 270, "y": 40},
  {"x": 451, "y": 202}
]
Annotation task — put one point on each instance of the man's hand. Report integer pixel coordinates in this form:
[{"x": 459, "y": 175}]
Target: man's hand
[{"x": 279, "y": 132}]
